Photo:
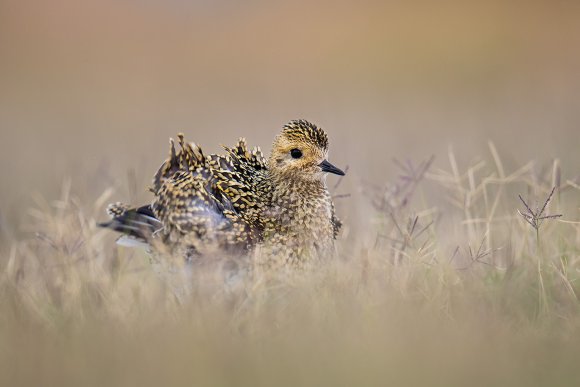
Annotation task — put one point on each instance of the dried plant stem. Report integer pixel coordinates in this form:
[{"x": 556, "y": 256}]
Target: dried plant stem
[{"x": 542, "y": 296}]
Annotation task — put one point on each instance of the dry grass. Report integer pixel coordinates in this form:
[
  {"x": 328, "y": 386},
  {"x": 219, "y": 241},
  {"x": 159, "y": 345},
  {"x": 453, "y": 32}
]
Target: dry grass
[
  {"x": 439, "y": 279},
  {"x": 440, "y": 292}
]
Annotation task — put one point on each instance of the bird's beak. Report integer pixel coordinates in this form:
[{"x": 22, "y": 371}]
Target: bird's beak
[{"x": 327, "y": 167}]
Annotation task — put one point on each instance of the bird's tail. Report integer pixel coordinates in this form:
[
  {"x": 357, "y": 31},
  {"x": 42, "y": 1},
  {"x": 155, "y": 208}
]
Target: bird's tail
[{"x": 138, "y": 224}]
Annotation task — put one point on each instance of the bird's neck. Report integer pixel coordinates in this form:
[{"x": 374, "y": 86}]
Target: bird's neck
[
  {"x": 297, "y": 190},
  {"x": 301, "y": 207}
]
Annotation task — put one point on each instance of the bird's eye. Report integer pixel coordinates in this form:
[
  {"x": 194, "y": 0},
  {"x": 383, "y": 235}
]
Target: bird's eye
[{"x": 296, "y": 153}]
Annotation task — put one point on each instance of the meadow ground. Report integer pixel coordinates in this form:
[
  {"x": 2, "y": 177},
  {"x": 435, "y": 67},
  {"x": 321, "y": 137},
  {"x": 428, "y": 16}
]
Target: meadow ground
[
  {"x": 472, "y": 295},
  {"x": 445, "y": 116}
]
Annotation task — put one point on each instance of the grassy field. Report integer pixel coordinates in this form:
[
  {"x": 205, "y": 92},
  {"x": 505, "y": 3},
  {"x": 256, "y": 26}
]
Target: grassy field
[
  {"x": 472, "y": 295},
  {"x": 459, "y": 259}
]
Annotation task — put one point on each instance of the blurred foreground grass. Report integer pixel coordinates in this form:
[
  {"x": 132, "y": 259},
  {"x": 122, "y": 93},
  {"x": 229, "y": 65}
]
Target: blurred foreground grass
[
  {"x": 448, "y": 285},
  {"x": 438, "y": 279}
]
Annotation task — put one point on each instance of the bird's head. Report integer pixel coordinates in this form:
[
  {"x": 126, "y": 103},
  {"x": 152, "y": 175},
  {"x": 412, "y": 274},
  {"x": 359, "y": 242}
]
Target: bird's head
[{"x": 300, "y": 151}]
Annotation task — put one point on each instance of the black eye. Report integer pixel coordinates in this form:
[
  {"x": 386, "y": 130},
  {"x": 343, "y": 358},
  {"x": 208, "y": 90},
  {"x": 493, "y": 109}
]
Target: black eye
[{"x": 296, "y": 153}]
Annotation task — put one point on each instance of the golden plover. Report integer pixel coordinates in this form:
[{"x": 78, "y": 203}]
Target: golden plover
[{"x": 277, "y": 208}]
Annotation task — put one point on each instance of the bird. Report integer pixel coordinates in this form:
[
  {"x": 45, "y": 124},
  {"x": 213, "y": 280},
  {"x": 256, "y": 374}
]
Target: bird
[{"x": 276, "y": 209}]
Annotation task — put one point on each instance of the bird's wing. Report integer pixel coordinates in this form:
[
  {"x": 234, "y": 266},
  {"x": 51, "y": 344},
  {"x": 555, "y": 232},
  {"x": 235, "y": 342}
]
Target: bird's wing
[
  {"x": 237, "y": 176},
  {"x": 137, "y": 223},
  {"x": 253, "y": 160},
  {"x": 189, "y": 203},
  {"x": 190, "y": 158}
]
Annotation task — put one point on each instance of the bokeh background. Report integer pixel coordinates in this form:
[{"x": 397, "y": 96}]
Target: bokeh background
[
  {"x": 91, "y": 90},
  {"x": 441, "y": 283}
]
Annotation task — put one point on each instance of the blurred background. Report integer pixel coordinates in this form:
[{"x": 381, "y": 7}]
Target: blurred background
[{"x": 91, "y": 90}]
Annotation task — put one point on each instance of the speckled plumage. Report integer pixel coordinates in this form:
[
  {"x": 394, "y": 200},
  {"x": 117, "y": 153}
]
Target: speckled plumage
[{"x": 277, "y": 208}]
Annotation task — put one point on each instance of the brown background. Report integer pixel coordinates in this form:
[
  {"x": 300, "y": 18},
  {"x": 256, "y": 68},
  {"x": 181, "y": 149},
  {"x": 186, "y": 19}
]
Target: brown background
[{"x": 92, "y": 90}]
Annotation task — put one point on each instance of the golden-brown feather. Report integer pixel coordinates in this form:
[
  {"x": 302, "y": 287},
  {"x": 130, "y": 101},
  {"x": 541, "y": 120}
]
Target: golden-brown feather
[{"x": 241, "y": 200}]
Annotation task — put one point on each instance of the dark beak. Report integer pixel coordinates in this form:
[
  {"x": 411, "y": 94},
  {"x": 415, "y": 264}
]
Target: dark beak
[{"x": 327, "y": 167}]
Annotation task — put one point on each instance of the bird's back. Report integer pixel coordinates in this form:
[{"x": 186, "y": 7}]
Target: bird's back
[
  {"x": 202, "y": 203},
  {"x": 210, "y": 200}
]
